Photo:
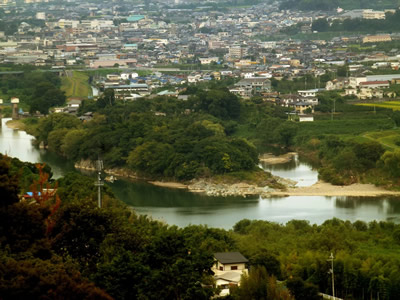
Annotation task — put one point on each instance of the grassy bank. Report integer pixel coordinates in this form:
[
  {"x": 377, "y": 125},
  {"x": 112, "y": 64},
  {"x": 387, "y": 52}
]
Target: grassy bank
[{"x": 76, "y": 85}]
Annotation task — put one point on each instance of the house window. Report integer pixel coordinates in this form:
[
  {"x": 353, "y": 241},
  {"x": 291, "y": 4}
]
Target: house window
[
  {"x": 233, "y": 267},
  {"x": 221, "y": 268}
]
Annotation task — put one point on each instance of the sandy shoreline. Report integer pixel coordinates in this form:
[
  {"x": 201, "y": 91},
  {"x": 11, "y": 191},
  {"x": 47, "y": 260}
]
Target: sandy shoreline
[
  {"x": 15, "y": 124},
  {"x": 174, "y": 185},
  {"x": 326, "y": 189},
  {"x": 242, "y": 189},
  {"x": 318, "y": 189},
  {"x": 271, "y": 159}
]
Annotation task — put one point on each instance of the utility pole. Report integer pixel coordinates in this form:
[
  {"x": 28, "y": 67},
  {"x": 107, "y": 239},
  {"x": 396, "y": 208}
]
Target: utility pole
[
  {"x": 99, "y": 183},
  {"x": 334, "y": 109},
  {"x": 331, "y": 258},
  {"x": 1, "y": 115}
]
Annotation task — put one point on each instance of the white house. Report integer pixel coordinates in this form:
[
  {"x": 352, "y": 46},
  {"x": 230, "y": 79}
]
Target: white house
[
  {"x": 308, "y": 93},
  {"x": 354, "y": 82},
  {"x": 194, "y": 78},
  {"x": 208, "y": 60},
  {"x": 228, "y": 268}
]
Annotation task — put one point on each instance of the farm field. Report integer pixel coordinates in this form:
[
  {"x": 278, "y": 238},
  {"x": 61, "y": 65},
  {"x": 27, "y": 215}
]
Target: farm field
[
  {"x": 390, "y": 139},
  {"x": 75, "y": 85},
  {"x": 345, "y": 126},
  {"x": 395, "y": 105},
  {"x": 361, "y": 126}
]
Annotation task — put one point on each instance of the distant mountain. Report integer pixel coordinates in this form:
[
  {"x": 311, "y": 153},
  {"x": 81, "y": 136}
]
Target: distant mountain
[{"x": 333, "y": 4}]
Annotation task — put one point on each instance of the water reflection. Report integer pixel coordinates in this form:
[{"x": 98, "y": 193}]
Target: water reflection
[
  {"x": 146, "y": 195},
  {"x": 369, "y": 208},
  {"x": 357, "y": 202},
  {"x": 18, "y": 144},
  {"x": 295, "y": 169},
  {"x": 182, "y": 208}
]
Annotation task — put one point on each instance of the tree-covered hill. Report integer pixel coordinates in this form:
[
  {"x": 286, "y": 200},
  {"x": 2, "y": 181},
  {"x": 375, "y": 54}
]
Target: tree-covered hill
[
  {"x": 390, "y": 24},
  {"x": 37, "y": 91},
  {"x": 214, "y": 134},
  {"x": 65, "y": 247},
  {"x": 307, "y": 5},
  {"x": 162, "y": 137}
]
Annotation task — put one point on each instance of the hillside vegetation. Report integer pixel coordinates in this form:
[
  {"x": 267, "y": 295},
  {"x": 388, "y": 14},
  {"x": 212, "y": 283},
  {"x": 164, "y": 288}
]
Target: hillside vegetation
[
  {"x": 215, "y": 133},
  {"x": 75, "y": 85},
  {"x": 63, "y": 246},
  {"x": 333, "y": 4}
]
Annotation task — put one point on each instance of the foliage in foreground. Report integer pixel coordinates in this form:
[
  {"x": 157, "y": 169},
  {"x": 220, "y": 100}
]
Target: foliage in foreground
[{"x": 112, "y": 252}]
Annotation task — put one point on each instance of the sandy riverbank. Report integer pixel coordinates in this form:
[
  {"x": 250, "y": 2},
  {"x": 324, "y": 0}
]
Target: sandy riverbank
[
  {"x": 243, "y": 189},
  {"x": 15, "y": 124},
  {"x": 326, "y": 189},
  {"x": 271, "y": 159},
  {"x": 174, "y": 185}
]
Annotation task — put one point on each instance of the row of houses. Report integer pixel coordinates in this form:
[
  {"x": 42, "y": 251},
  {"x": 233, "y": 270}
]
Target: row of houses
[{"x": 366, "y": 87}]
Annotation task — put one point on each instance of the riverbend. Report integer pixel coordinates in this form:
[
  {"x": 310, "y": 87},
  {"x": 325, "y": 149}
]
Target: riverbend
[{"x": 180, "y": 207}]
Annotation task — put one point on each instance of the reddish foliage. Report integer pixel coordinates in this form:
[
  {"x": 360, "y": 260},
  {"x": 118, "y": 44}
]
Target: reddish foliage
[{"x": 46, "y": 196}]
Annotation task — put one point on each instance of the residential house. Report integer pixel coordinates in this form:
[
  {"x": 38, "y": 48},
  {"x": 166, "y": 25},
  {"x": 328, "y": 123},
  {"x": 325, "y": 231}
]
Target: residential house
[
  {"x": 350, "y": 92},
  {"x": 370, "y": 14},
  {"x": 377, "y": 38},
  {"x": 208, "y": 60},
  {"x": 298, "y": 103},
  {"x": 248, "y": 87},
  {"x": 354, "y": 82},
  {"x": 336, "y": 84},
  {"x": 308, "y": 93},
  {"x": 301, "y": 107},
  {"x": 368, "y": 93},
  {"x": 228, "y": 268},
  {"x": 73, "y": 105},
  {"x": 194, "y": 78}
]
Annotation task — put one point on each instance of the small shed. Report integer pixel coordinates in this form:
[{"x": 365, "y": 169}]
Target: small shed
[{"x": 306, "y": 118}]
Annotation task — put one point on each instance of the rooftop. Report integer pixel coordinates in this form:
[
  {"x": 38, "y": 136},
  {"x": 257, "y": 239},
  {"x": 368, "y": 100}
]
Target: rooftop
[{"x": 230, "y": 257}]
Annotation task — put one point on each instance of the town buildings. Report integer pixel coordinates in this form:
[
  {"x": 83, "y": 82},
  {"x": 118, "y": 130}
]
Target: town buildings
[{"x": 199, "y": 44}]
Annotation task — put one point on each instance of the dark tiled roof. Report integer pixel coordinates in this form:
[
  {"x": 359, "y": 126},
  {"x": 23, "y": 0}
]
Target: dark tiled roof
[{"x": 230, "y": 257}]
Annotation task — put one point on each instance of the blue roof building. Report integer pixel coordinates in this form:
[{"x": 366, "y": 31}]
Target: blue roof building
[{"x": 135, "y": 18}]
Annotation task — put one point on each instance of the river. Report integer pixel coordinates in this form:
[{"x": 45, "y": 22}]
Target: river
[{"x": 179, "y": 207}]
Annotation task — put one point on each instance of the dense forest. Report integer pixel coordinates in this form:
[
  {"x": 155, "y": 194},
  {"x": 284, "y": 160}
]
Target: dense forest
[
  {"x": 59, "y": 245},
  {"x": 37, "y": 91},
  {"x": 163, "y": 137},
  {"x": 390, "y": 24},
  {"x": 215, "y": 133}
]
